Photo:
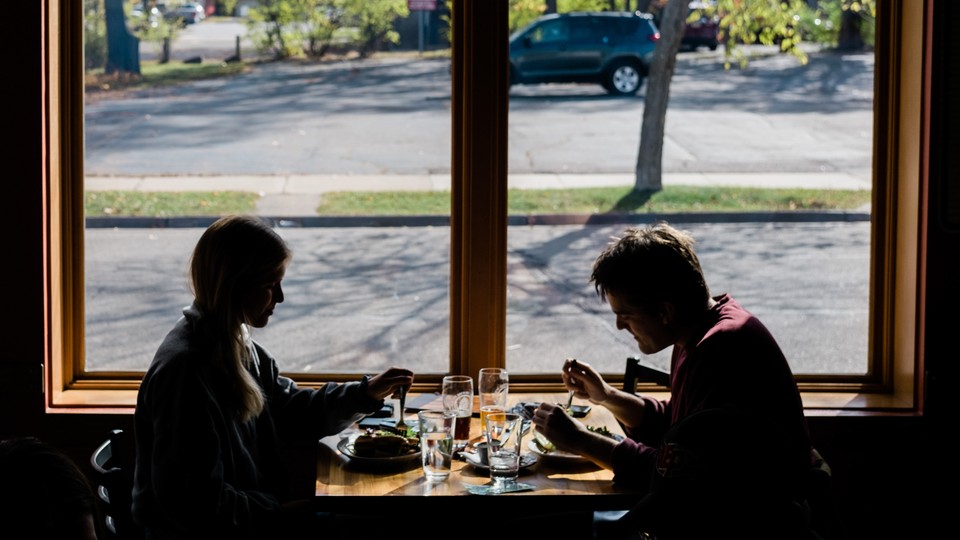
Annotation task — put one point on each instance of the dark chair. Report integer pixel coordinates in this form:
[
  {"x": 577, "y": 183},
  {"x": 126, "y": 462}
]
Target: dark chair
[
  {"x": 112, "y": 465},
  {"x": 824, "y": 515},
  {"x": 635, "y": 372}
]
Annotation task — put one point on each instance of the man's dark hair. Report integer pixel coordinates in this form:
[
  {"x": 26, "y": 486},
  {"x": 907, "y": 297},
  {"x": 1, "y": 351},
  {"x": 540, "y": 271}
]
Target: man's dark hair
[{"x": 649, "y": 265}]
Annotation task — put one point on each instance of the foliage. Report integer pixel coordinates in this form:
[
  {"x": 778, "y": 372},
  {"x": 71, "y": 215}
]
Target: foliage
[
  {"x": 270, "y": 27},
  {"x": 523, "y": 12},
  {"x": 761, "y": 21},
  {"x": 225, "y": 7},
  {"x": 375, "y": 22},
  {"x": 154, "y": 29},
  {"x": 287, "y": 28},
  {"x": 94, "y": 34},
  {"x": 567, "y": 6}
]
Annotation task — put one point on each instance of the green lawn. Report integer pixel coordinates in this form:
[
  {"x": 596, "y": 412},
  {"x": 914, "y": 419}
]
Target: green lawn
[{"x": 675, "y": 199}]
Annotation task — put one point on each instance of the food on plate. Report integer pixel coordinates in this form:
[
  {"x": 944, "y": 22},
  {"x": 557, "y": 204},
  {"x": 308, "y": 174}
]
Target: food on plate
[
  {"x": 602, "y": 430},
  {"x": 382, "y": 443},
  {"x": 543, "y": 444}
]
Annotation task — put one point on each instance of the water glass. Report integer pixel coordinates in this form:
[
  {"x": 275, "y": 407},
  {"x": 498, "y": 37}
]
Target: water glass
[
  {"x": 457, "y": 397},
  {"x": 503, "y": 449},
  {"x": 436, "y": 443},
  {"x": 493, "y": 387}
]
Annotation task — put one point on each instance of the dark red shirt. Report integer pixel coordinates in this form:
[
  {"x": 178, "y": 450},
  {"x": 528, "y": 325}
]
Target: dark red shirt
[{"x": 736, "y": 361}]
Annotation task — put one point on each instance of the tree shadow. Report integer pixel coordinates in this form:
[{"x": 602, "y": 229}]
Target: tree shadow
[{"x": 633, "y": 200}]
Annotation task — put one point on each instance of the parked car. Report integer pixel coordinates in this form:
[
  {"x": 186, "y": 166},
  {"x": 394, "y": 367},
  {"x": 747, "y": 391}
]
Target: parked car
[
  {"x": 613, "y": 49},
  {"x": 704, "y": 29},
  {"x": 188, "y": 13}
]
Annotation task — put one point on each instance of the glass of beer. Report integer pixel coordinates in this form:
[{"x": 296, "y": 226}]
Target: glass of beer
[
  {"x": 493, "y": 386},
  {"x": 457, "y": 395}
]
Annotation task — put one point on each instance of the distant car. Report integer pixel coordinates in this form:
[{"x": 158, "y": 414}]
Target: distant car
[
  {"x": 188, "y": 13},
  {"x": 704, "y": 31},
  {"x": 143, "y": 19},
  {"x": 613, "y": 49}
]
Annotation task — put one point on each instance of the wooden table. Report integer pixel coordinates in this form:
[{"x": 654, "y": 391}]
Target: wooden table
[{"x": 345, "y": 486}]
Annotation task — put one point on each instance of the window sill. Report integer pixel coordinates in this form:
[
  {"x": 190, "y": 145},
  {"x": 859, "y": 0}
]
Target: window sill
[{"x": 121, "y": 401}]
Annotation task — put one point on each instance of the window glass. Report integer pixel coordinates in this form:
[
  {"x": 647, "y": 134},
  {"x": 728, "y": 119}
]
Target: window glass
[
  {"x": 291, "y": 134},
  {"x": 774, "y": 124}
]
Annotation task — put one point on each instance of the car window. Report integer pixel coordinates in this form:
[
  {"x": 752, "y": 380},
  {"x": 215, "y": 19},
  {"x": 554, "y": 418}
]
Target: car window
[
  {"x": 588, "y": 30},
  {"x": 551, "y": 31}
]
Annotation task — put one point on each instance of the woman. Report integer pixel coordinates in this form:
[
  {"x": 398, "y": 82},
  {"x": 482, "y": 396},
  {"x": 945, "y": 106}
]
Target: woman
[{"x": 213, "y": 410}]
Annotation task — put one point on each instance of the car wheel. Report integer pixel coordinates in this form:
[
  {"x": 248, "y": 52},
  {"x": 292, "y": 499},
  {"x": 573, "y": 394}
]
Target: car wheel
[{"x": 623, "y": 79}]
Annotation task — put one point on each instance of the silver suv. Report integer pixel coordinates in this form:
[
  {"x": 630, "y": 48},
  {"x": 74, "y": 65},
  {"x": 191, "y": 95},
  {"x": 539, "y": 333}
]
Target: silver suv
[{"x": 611, "y": 48}]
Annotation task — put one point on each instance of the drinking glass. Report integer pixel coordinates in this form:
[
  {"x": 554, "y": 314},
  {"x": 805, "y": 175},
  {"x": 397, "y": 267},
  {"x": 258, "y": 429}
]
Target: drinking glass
[
  {"x": 503, "y": 449},
  {"x": 457, "y": 393},
  {"x": 494, "y": 384},
  {"x": 436, "y": 443}
]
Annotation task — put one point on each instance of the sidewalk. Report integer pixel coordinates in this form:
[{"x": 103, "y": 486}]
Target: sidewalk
[{"x": 292, "y": 195}]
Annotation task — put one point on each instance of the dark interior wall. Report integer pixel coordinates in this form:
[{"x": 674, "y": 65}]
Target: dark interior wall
[{"x": 884, "y": 467}]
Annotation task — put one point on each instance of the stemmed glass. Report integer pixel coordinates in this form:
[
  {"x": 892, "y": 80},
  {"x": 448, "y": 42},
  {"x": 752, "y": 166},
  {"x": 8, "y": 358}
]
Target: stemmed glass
[{"x": 457, "y": 395}]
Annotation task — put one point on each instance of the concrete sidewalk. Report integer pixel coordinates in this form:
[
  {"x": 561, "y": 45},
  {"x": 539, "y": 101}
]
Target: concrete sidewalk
[{"x": 300, "y": 194}]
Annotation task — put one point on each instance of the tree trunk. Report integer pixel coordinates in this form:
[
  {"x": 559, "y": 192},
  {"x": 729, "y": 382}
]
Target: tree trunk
[
  {"x": 123, "y": 48},
  {"x": 849, "y": 38},
  {"x": 551, "y": 6},
  {"x": 650, "y": 157},
  {"x": 643, "y": 5}
]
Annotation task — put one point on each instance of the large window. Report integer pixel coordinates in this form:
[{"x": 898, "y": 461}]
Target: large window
[{"x": 467, "y": 324}]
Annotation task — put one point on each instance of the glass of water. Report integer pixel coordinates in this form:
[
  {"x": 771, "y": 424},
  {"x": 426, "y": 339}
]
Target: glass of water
[
  {"x": 503, "y": 449},
  {"x": 436, "y": 443}
]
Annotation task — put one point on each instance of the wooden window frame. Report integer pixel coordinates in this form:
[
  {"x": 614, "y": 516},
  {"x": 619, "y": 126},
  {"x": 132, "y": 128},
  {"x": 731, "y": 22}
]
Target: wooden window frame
[{"x": 480, "y": 103}]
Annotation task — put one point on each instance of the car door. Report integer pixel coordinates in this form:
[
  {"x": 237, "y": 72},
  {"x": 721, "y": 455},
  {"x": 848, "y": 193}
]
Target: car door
[
  {"x": 589, "y": 45},
  {"x": 543, "y": 51}
]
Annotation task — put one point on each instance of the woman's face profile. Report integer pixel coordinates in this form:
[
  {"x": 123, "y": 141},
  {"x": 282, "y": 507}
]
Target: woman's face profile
[{"x": 258, "y": 302}]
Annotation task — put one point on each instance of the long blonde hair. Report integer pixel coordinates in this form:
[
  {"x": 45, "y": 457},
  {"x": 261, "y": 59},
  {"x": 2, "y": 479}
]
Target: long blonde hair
[{"x": 234, "y": 254}]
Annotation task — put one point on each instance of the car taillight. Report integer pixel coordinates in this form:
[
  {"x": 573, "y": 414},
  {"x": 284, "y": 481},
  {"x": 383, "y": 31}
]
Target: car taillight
[{"x": 655, "y": 36}]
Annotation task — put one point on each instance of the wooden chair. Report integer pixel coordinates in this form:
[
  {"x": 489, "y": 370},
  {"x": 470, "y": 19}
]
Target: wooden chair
[{"x": 113, "y": 479}]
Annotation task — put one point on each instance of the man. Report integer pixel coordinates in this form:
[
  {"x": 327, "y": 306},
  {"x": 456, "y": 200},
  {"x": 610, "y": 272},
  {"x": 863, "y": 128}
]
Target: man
[{"x": 722, "y": 356}]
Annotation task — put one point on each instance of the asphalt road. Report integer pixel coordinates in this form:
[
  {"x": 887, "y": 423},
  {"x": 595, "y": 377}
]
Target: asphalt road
[
  {"x": 391, "y": 116},
  {"x": 363, "y": 298},
  {"x": 359, "y": 299}
]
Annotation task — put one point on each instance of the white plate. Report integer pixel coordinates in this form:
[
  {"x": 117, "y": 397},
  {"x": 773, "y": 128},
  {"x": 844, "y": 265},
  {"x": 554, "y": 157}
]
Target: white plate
[
  {"x": 345, "y": 446},
  {"x": 558, "y": 455},
  {"x": 526, "y": 460}
]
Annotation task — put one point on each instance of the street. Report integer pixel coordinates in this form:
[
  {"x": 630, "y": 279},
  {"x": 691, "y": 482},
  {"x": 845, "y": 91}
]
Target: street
[
  {"x": 391, "y": 116},
  {"x": 359, "y": 299}
]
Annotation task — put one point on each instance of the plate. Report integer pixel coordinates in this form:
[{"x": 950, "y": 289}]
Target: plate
[
  {"x": 558, "y": 455},
  {"x": 526, "y": 461},
  {"x": 345, "y": 446}
]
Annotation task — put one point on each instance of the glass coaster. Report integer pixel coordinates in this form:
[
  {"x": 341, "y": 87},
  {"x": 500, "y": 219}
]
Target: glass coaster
[{"x": 488, "y": 489}]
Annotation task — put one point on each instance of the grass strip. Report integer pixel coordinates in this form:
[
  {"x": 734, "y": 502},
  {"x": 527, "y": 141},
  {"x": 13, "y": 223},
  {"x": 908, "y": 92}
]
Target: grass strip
[
  {"x": 168, "y": 204},
  {"x": 673, "y": 199}
]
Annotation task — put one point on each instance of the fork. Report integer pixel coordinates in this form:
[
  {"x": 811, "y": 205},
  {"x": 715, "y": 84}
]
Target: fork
[{"x": 403, "y": 399}]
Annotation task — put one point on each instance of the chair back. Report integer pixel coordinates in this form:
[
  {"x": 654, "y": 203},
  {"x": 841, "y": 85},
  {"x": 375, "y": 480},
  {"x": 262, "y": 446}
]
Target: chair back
[
  {"x": 635, "y": 371},
  {"x": 113, "y": 479},
  {"x": 824, "y": 515}
]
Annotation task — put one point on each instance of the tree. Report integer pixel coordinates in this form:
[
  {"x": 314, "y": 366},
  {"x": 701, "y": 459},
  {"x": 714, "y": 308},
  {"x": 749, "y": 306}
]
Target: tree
[
  {"x": 650, "y": 155},
  {"x": 123, "y": 48},
  {"x": 767, "y": 22}
]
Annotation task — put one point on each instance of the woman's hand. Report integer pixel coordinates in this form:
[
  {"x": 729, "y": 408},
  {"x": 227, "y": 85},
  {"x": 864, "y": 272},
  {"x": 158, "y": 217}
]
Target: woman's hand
[
  {"x": 389, "y": 382},
  {"x": 585, "y": 382}
]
